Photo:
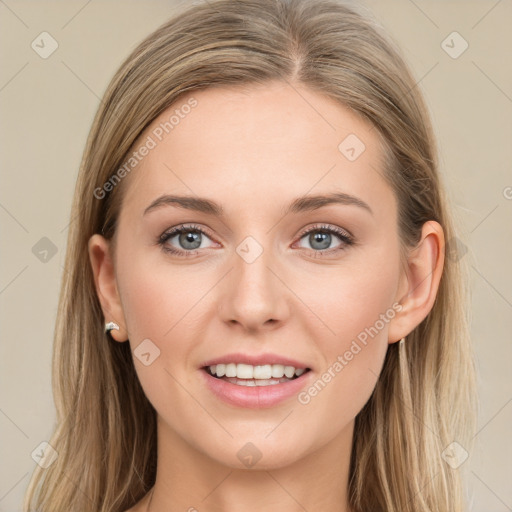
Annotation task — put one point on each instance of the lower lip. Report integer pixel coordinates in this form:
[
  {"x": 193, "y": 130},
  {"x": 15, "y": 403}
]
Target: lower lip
[{"x": 255, "y": 397}]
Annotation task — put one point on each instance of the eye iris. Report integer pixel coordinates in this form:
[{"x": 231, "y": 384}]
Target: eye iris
[
  {"x": 190, "y": 237},
  {"x": 323, "y": 237}
]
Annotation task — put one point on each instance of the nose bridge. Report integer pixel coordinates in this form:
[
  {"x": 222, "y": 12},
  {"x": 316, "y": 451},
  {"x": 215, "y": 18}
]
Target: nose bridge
[
  {"x": 253, "y": 261},
  {"x": 255, "y": 295}
]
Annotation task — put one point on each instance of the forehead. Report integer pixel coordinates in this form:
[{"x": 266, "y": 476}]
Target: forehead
[{"x": 235, "y": 144}]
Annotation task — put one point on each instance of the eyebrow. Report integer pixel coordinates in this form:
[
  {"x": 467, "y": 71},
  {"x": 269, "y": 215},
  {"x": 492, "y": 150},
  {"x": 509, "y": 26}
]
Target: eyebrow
[{"x": 300, "y": 204}]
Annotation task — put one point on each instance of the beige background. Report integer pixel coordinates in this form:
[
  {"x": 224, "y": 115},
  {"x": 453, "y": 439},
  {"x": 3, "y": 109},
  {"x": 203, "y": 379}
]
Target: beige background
[{"x": 47, "y": 108}]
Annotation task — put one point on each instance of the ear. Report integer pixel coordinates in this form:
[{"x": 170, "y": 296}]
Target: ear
[
  {"x": 419, "y": 281},
  {"x": 100, "y": 256}
]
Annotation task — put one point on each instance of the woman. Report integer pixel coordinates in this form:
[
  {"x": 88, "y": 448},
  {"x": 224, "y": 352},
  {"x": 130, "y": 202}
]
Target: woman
[{"x": 257, "y": 312}]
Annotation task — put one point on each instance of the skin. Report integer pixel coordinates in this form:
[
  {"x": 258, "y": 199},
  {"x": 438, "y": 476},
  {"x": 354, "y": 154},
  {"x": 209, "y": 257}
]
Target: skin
[{"x": 254, "y": 150}]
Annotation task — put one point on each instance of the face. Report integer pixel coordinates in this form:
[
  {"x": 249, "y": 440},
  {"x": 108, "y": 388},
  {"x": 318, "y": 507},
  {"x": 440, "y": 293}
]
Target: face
[{"x": 316, "y": 283}]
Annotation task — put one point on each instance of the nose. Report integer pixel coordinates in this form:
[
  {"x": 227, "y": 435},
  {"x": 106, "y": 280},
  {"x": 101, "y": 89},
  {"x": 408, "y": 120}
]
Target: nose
[{"x": 254, "y": 296}]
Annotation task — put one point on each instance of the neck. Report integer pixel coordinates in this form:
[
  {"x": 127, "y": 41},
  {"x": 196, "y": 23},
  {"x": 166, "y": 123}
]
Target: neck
[{"x": 189, "y": 480}]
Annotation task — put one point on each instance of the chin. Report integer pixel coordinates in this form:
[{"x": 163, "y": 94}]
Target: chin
[{"x": 259, "y": 455}]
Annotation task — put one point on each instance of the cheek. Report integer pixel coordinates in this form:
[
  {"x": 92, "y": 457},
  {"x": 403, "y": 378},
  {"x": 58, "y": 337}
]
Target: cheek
[
  {"x": 156, "y": 297},
  {"x": 340, "y": 392},
  {"x": 158, "y": 305},
  {"x": 164, "y": 304},
  {"x": 356, "y": 308},
  {"x": 353, "y": 356},
  {"x": 349, "y": 299}
]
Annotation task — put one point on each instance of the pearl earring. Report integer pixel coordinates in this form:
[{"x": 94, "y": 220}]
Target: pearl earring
[{"x": 109, "y": 326}]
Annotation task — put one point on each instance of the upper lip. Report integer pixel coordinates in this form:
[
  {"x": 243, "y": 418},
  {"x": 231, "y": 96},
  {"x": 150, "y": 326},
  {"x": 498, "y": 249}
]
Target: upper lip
[{"x": 255, "y": 360}]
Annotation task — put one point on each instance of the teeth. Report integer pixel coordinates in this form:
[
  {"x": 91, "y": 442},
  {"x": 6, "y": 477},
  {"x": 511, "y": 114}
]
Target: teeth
[
  {"x": 257, "y": 382},
  {"x": 231, "y": 370},
  {"x": 263, "y": 372},
  {"x": 260, "y": 372},
  {"x": 289, "y": 371},
  {"x": 243, "y": 371},
  {"x": 277, "y": 371}
]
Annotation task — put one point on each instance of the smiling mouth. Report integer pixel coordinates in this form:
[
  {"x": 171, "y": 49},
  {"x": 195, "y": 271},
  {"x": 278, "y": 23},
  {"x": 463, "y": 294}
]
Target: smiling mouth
[{"x": 247, "y": 375}]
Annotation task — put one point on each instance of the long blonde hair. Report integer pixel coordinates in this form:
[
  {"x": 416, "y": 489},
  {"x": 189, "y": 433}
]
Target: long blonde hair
[{"x": 105, "y": 432}]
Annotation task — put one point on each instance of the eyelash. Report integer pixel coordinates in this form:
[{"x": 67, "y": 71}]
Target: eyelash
[{"x": 347, "y": 239}]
